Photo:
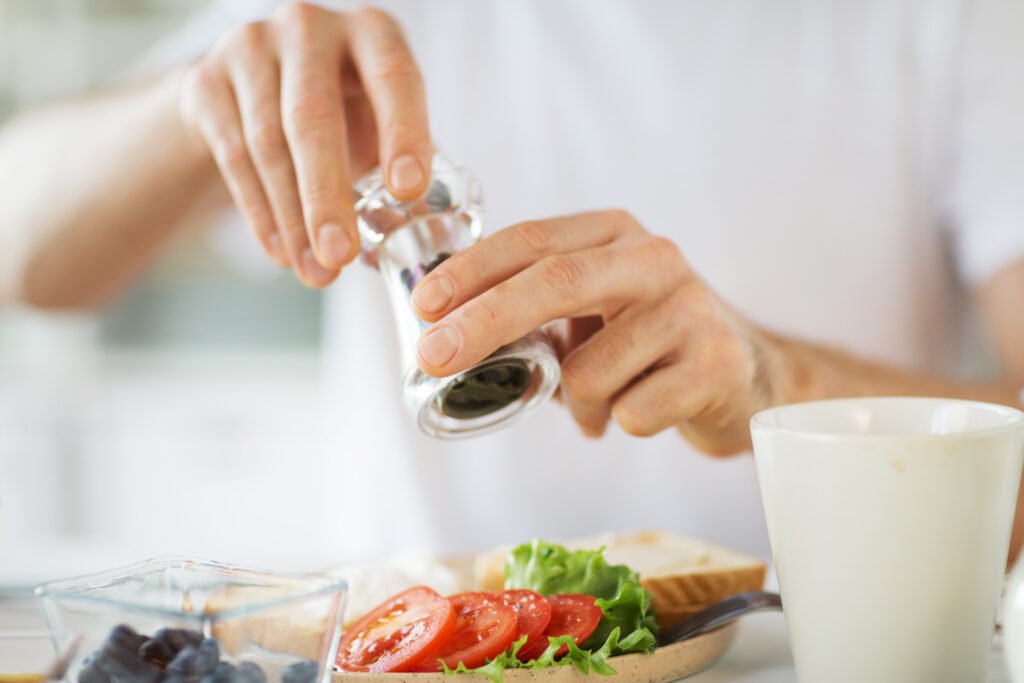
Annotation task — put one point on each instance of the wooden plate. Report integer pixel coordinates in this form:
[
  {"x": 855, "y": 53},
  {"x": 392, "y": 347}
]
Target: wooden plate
[{"x": 668, "y": 663}]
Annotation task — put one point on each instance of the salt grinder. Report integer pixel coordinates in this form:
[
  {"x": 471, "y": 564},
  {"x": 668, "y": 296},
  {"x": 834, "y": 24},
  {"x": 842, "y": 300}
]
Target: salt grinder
[{"x": 406, "y": 240}]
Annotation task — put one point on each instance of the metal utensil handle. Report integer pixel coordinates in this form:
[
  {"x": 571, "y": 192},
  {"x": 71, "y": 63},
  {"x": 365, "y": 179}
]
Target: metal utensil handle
[{"x": 720, "y": 614}]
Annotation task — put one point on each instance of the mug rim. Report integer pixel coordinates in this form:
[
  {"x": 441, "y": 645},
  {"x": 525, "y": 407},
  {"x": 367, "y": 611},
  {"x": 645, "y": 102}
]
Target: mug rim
[{"x": 1015, "y": 420}]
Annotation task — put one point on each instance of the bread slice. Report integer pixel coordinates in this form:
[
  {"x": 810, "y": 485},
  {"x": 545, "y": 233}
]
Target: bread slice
[{"x": 683, "y": 575}]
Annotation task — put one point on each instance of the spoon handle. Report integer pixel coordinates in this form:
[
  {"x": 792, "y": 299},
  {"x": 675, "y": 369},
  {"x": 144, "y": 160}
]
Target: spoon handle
[{"x": 720, "y": 614}]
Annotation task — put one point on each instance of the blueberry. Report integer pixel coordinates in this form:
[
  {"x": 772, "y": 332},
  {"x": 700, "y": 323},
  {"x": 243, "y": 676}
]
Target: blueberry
[
  {"x": 194, "y": 661},
  {"x": 300, "y": 672},
  {"x": 125, "y": 669},
  {"x": 123, "y": 640},
  {"x": 156, "y": 651},
  {"x": 251, "y": 673},
  {"x": 223, "y": 673},
  {"x": 177, "y": 638},
  {"x": 91, "y": 672}
]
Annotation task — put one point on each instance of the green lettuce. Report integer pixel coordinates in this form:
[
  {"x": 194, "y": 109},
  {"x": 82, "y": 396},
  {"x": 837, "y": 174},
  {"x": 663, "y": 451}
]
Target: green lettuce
[{"x": 549, "y": 568}]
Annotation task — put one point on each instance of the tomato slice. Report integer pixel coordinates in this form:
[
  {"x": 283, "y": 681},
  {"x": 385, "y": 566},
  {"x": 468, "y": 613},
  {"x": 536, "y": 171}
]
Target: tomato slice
[
  {"x": 485, "y": 629},
  {"x": 533, "y": 612},
  {"x": 573, "y": 615},
  {"x": 399, "y": 633}
]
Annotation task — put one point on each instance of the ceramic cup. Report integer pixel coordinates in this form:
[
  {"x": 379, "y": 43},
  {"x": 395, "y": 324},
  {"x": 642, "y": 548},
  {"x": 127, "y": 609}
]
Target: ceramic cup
[{"x": 889, "y": 521}]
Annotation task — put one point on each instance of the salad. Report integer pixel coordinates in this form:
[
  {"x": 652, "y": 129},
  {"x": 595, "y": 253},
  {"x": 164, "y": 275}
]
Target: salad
[{"x": 559, "y": 607}]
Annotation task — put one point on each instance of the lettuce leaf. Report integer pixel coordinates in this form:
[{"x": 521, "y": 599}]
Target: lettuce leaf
[
  {"x": 495, "y": 668},
  {"x": 583, "y": 660},
  {"x": 549, "y": 568}
]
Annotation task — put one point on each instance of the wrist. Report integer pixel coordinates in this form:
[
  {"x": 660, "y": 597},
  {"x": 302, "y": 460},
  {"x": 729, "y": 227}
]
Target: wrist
[
  {"x": 782, "y": 375},
  {"x": 193, "y": 146}
]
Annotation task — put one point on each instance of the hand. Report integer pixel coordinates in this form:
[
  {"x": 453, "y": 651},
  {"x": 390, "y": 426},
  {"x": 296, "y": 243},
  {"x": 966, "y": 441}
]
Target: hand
[
  {"x": 293, "y": 110},
  {"x": 646, "y": 342}
]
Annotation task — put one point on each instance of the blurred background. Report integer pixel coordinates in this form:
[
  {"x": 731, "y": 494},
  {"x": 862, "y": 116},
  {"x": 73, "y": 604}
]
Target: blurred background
[{"x": 195, "y": 385}]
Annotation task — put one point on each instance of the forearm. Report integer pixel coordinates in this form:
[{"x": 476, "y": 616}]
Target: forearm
[
  {"x": 801, "y": 371},
  {"x": 92, "y": 189},
  {"x": 804, "y": 372}
]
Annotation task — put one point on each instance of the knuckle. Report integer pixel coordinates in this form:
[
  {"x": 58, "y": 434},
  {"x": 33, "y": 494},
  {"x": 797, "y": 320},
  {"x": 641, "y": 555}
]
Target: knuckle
[
  {"x": 402, "y": 132},
  {"x": 393, "y": 64},
  {"x": 696, "y": 301},
  {"x": 578, "y": 382},
  {"x": 229, "y": 150},
  {"x": 312, "y": 107},
  {"x": 535, "y": 236},
  {"x": 467, "y": 267},
  {"x": 299, "y": 16},
  {"x": 634, "y": 421},
  {"x": 667, "y": 254},
  {"x": 371, "y": 13},
  {"x": 483, "y": 313},
  {"x": 267, "y": 138},
  {"x": 204, "y": 78},
  {"x": 564, "y": 274},
  {"x": 624, "y": 218},
  {"x": 246, "y": 39}
]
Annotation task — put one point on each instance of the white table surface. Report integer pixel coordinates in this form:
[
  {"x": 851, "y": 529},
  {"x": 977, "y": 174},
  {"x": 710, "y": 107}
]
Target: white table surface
[{"x": 761, "y": 655}]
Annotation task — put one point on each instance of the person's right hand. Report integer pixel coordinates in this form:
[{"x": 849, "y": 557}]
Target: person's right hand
[{"x": 294, "y": 109}]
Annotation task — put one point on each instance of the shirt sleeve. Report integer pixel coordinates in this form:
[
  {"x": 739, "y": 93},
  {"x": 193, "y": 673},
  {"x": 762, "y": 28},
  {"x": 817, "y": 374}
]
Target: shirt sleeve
[{"x": 986, "y": 208}]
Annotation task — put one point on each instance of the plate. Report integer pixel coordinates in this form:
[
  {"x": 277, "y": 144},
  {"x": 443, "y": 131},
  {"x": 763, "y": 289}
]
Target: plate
[{"x": 669, "y": 663}]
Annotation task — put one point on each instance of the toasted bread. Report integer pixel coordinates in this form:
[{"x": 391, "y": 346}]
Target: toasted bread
[{"x": 683, "y": 575}]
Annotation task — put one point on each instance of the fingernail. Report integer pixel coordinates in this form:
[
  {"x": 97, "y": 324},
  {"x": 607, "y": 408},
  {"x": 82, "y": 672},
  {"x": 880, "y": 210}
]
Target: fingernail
[
  {"x": 334, "y": 244},
  {"x": 406, "y": 173},
  {"x": 439, "y": 346},
  {"x": 433, "y": 295},
  {"x": 276, "y": 249},
  {"x": 312, "y": 268}
]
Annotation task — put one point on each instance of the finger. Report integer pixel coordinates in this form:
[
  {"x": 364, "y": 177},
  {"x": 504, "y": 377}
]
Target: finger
[
  {"x": 310, "y": 45},
  {"x": 393, "y": 83},
  {"x": 500, "y": 256},
  {"x": 221, "y": 126},
  {"x": 255, "y": 78},
  {"x": 660, "y": 400},
  {"x": 607, "y": 363},
  {"x": 592, "y": 282}
]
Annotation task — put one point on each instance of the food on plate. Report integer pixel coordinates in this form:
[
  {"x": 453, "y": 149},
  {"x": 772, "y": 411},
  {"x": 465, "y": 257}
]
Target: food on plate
[
  {"x": 485, "y": 627},
  {"x": 571, "y": 615},
  {"x": 558, "y": 607},
  {"x": 683, "y": 575},
  {"x": 400, "y": 633},
  {"x": 533, "y": 614},
  {"x": 175, "y": 655}
]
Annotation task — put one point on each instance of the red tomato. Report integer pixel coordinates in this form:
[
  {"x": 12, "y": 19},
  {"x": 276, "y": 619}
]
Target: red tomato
[
  {"x": 533, "y": 612},
  {"x": 485, "y": 628},
  {"x": 399, "y": 633},
  {"x": 571, "y": 615}
]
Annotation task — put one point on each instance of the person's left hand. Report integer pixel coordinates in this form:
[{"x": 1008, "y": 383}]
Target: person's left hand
[{"x": 646, "y": 341}]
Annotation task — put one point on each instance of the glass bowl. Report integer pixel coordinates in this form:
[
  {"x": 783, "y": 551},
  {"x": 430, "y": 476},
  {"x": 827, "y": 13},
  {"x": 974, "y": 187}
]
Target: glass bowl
[
  {"x": 287, "y": 625},
  {"x": 25, "y": 656}
]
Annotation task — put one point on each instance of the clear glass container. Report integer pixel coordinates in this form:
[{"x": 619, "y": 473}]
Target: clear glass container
[
  {"x": 26, "y": 656},
  {"x": 287, "y": 625},
  {"x": 405, "y": 241}
]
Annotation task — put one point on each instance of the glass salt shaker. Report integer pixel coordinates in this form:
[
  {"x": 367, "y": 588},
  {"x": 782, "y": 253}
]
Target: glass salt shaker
[{"x": 406, "y": 240}]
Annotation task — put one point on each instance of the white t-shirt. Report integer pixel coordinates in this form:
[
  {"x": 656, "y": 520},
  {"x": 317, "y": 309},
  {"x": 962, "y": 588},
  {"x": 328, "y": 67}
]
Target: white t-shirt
[{"x": 838, "y": 171}]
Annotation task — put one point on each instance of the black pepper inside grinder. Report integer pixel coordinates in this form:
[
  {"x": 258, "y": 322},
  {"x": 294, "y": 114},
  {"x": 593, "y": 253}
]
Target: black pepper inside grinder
[{"x": 406, "y": 240}]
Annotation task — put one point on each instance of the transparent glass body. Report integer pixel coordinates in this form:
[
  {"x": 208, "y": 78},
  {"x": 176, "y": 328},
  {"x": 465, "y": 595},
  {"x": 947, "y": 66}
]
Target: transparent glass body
[
  {"x": 406, "y": 240},
  {"x": 25, "y": 656},
  {"x": 283, "y": 623}
]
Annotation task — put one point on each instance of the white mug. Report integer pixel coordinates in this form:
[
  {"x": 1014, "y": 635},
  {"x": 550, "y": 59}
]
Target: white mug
[
  {"x": 889, "y": 520},
  {"x": 1013, "y": 622}
]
